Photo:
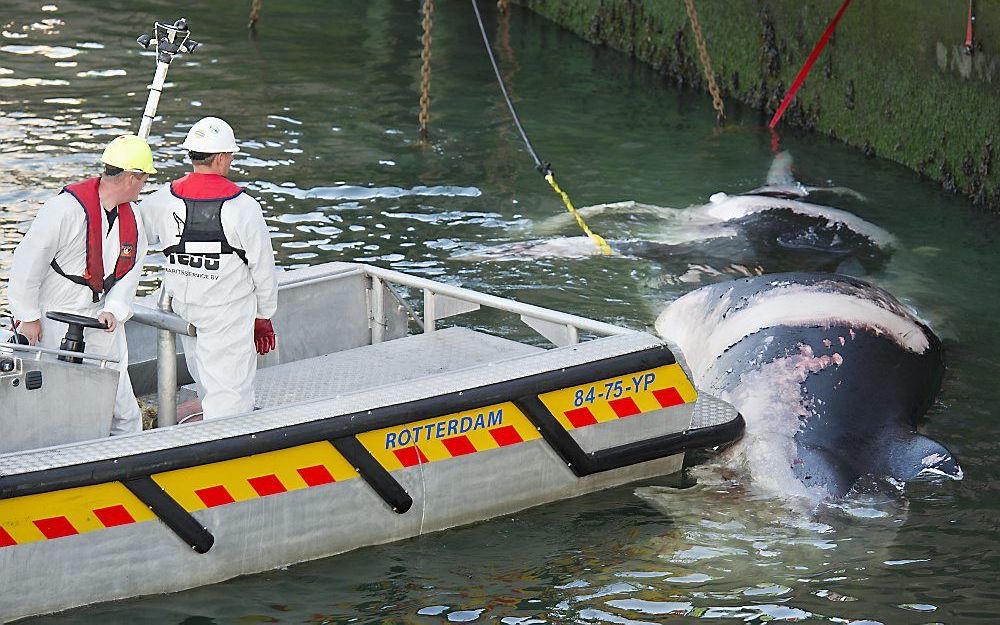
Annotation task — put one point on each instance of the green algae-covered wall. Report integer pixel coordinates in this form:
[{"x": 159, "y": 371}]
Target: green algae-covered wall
[{"x": 895, "y": 80}]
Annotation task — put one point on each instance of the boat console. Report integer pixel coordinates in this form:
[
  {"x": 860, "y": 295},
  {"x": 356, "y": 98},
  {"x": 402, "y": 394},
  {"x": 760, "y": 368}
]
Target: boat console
[{"x": 54, "y": 396}]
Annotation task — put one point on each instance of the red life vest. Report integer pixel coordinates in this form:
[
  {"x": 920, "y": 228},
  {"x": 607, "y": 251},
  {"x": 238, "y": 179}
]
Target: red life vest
[
  {"x": 205, "y": 187},
  {"x": 93, "y": 277}
]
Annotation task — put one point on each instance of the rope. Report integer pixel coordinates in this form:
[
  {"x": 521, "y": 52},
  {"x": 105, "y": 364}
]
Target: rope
[
  {"x": 425, "y": 69},
  {"x": 706, "y": 62},
  {"x": 255, "y": 14},
  {"x": 544, "y": 168},
  {"x": 601, "y": 243},
  {"x": 808, "y": 66}
]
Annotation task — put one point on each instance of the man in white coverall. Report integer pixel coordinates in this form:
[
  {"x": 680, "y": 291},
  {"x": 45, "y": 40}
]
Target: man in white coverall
[
  {"x": 83, "y": 254},
  {"x": 219, "y": 271}
]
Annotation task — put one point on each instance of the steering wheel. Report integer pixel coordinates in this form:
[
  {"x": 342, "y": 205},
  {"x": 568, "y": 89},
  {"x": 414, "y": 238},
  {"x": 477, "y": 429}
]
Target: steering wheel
[{"x": 79, "y": 320}]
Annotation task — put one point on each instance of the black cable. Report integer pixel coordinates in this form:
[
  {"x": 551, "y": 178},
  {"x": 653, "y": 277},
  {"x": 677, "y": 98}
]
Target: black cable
[{"x": 544, "y": 168}]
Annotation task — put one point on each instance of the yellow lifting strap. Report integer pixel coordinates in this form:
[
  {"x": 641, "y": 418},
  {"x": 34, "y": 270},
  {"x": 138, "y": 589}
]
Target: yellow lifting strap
[{"x": 596, "y": 238}]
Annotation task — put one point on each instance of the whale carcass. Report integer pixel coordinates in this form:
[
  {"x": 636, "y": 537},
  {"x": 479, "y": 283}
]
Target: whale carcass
[{"x": 831, "y": 374}]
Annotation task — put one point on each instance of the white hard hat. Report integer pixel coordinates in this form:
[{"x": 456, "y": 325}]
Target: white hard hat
[{"x": 210, "y": 135}]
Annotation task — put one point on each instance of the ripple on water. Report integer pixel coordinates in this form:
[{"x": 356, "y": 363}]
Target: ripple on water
[
  {"x": 905, "y": 562},
  {"x": 352, "y": 192},
  {"x": 298, "y": 218},
  {"x": 767, "y": 590},
  {"x": 101, "y": 73},
  {"x": 50, "y": 52},
  {"x": 31, "y": 82},
  {"x": 464, "y": 616},
  {"x": 48, "y": 24},
  {"x": 433, "y": 610},
  {"x": 693, "y": 578},
  {"x": 290, "y": 120},
  {"x": 675, "y": 608},
  {"x": 641, "y": 574},
  {"x": 701, "y": 552}
]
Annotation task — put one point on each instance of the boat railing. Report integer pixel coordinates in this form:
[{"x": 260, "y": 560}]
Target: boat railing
[
  {"x": 440, "y": 301},
  {"x": 445, "y": 300},
  {"x": 36, "y": 352}
]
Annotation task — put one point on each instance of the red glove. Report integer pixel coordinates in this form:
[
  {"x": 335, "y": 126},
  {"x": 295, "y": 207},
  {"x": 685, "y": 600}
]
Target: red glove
[{"x": 263, "y": 336}]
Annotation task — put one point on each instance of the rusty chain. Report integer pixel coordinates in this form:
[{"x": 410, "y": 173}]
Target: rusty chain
[
  {"x": 425, "y": 69},
  {"x": 503, "y": 6},
  {"x": 706, "y": 62},
  {"x": 255, "y": 13}
]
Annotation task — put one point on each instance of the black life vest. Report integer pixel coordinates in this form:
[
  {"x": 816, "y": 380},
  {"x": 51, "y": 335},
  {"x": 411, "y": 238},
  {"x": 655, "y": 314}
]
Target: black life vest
[
  {"x": 201, "y": 232},
  {"x": 128, "y": 234}
]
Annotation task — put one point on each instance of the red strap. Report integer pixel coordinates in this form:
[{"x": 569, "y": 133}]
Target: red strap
[
  {"x": 86, "y": 193},
  {"x": 808, "y": 66},
  {"x": 968, "y": 30}
]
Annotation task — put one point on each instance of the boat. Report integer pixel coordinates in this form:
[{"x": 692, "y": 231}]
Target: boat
[{"x": 376, "y": 422}]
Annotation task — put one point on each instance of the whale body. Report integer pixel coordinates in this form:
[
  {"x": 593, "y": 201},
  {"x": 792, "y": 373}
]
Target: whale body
[
  {"x": 768, "y": 230},
  {"x": 830, "y": 373}
]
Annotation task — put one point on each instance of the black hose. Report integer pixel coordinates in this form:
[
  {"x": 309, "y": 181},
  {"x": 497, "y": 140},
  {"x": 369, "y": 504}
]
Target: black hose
[{"x": 544, "y": 168}]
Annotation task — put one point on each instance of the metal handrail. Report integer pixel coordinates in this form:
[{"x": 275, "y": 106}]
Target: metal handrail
[
  {"x": 168, "y": 323},
  {"x": 499, "y": 303},
  {"x": 162, "y": 320},
  {"x": 37, "y": 351}
]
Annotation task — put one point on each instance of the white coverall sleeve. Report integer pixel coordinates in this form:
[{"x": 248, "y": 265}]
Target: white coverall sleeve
[
  {"x": 256, "y": 239},
  {"x": 32, "y": 260},
  {"x": 118, "y": 300},
  {"x": 147, "y": 215}
]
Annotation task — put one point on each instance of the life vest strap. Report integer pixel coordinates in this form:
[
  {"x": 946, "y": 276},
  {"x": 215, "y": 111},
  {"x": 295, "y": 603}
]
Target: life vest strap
[
  {"x": 74, "y": 279},
  {"x": 225, "y": 248}
]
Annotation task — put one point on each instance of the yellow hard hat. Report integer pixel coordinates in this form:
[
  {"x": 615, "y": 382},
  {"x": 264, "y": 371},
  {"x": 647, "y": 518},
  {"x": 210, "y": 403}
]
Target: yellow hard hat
[{"x": 129, "y": 152}]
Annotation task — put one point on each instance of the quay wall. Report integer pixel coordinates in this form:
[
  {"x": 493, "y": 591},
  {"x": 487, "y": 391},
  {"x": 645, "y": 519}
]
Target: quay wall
[{"x": 895, "y": 81}]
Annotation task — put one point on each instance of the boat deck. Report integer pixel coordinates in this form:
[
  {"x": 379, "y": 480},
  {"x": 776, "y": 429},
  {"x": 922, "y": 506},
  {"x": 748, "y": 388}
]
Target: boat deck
[{"x": 372, "y": 366}]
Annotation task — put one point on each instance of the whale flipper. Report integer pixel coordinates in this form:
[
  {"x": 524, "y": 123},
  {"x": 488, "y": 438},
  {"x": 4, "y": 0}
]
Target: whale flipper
[{"x": 910, "y": 456}]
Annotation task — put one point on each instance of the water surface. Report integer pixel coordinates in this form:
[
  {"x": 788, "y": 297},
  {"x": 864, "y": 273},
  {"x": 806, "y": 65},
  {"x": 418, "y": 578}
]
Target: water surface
[{"x": 325, "y": 105}]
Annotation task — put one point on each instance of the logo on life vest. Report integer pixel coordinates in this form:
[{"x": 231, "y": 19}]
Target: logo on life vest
[
  {"x": 209, "y": 262},
  {"x": 126, "y": 250}
]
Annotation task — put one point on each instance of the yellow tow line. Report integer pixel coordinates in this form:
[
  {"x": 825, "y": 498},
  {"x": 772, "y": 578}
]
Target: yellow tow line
[{"x": 596, "y": 238}]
